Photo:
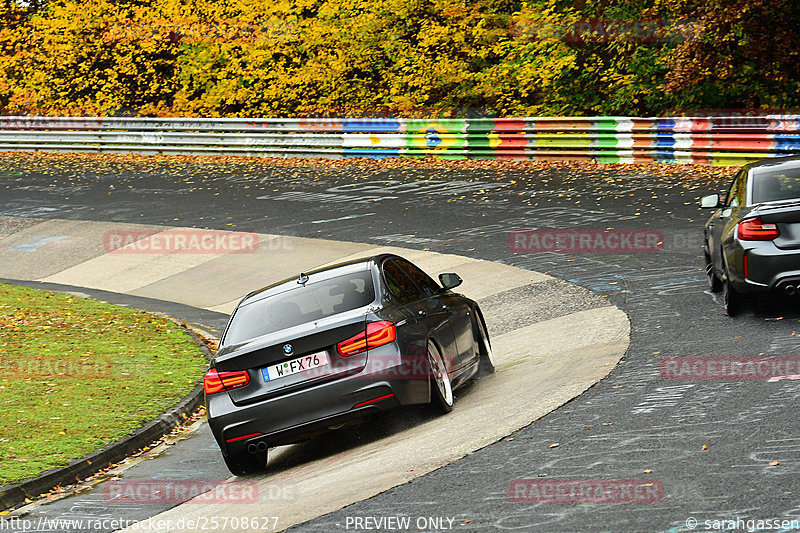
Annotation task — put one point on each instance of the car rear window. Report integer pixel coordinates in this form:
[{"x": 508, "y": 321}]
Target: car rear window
[
  {"x": 775, "y": 185},
  {"x": 301, "y": 304}
]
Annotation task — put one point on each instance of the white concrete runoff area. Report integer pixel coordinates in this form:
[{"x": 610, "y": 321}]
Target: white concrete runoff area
[{"x": 539, "y": 366}]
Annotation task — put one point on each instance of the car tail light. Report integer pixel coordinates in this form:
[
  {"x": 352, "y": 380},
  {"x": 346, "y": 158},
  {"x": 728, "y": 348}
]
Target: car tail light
[
  {"x": 353, "y": 345},
  {"x": 376, "y": 334},
  {"x": 756, "y": 230},
  {"x": 214, "y": 381},
  {"x": 380, "y": 333}
]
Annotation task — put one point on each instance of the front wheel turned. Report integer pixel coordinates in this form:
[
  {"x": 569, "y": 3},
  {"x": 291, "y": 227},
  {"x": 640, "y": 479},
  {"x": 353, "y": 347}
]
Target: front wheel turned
[
  {"x": 486, "y": 364},
  {"x": 714, "y": 283},
  {"x": 441, "y": 388}
]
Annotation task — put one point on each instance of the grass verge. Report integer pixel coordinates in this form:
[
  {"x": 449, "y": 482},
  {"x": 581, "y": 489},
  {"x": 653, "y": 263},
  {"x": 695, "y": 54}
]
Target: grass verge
[{"x": 77, "y": 374}]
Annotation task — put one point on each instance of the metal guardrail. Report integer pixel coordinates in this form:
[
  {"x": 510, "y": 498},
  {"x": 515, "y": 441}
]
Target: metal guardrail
[{"x": 701, "y": 140}]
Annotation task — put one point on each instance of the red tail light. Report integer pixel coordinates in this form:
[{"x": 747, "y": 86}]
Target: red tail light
[
  {"x": 380, "y": 333},
  {"x": 353, "y": 345},
  {"x": 756, "y": 230},
  {"x": 377, "y": 334},
  {"x": 214, "y": 382}
]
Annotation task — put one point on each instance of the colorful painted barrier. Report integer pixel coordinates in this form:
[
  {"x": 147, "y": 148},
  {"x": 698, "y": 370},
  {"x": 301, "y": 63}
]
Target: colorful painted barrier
[{"x": 701, "y": 140}]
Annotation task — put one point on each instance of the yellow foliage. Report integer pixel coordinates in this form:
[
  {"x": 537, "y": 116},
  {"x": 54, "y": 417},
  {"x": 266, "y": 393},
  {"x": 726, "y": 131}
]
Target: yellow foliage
[{"x": 306, "y": 58}]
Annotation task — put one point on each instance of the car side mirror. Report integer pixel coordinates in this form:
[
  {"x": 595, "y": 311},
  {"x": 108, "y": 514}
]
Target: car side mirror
[
  {"x": 450, "y": 280},
  {"x": 710, "y": 201}
]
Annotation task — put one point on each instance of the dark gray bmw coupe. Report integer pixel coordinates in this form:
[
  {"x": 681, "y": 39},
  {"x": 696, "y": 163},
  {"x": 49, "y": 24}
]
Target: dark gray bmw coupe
[
  {"x": 311, "y": 353},
  {"x": 752, "y": 241}
]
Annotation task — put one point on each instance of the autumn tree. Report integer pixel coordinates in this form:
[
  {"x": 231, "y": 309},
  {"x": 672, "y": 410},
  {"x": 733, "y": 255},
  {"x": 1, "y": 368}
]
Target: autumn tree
[
  {"x": 745, "y": 54},
  {"x": 397, "y": 57}
]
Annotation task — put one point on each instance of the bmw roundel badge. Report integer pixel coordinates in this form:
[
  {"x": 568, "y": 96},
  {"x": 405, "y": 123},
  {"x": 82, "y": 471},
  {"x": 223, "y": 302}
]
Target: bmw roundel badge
[{"x": 287, "y": 349}]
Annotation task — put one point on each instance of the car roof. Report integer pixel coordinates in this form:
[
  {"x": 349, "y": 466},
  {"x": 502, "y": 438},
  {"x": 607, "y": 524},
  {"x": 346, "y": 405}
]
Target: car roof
[
  {"x": 789, "y": 161},
  {"x": 330, "y": 271}
]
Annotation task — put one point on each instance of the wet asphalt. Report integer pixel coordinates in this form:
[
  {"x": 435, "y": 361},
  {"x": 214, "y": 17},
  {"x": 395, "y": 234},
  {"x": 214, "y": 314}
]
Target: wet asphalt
[{"x": 713, "y": 450}]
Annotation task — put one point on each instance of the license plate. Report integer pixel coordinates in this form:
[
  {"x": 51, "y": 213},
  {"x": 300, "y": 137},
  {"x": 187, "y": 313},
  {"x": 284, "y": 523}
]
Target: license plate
[{"x": 295, "y": 366}]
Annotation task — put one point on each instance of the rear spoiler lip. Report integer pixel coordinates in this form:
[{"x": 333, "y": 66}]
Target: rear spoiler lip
[{"x": 777, "y": 204}]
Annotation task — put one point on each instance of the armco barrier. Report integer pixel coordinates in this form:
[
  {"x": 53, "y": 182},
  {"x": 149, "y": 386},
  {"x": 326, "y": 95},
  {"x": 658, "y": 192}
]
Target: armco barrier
[{"x": 700, "y": 140}]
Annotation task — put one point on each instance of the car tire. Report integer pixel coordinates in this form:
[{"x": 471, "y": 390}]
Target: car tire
[
  {"x": 485, "y": 354},
  {"x": 246, "y": 463},
  {"x": 441, "y": 388},
  {"x": 732, "y": 299},
  {"x": 714, "y": 283}
]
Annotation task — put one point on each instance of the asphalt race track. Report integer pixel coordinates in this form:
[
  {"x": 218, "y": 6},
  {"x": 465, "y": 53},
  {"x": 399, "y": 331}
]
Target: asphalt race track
[
  {"x": 717, "y": 450},
  {"x": 550, "y": 338}
]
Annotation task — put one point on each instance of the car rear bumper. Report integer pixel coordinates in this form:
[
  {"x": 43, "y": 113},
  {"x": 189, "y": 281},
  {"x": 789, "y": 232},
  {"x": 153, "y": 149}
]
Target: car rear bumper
[
  {"x": 769, "y": 269},
  {"x": 296, "y": 415}
]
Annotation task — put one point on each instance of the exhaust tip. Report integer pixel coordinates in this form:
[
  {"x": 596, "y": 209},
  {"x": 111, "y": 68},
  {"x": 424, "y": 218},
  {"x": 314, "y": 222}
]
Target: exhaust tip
[{"x": 257, "y": 447}]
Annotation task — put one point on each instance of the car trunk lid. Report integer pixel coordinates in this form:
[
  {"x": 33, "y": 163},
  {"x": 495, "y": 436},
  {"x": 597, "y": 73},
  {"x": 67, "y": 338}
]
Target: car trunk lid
[
  {"x": 293, "y": 358},
  {"x": 786, "y": 216}
]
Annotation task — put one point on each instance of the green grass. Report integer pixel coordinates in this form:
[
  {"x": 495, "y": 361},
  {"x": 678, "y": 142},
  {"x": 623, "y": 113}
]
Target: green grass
[{"x": 76, "y": 374}]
